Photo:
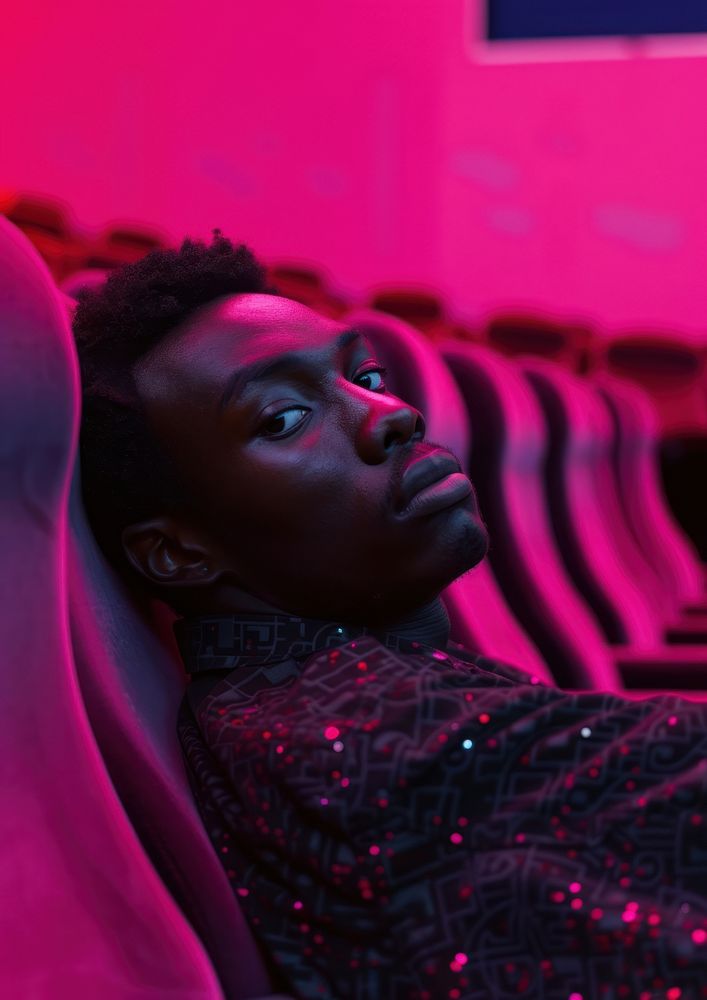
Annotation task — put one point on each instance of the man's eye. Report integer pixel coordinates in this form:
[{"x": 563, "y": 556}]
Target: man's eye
[
  {"x": 284, "y": 422},
  {"x": 375, "y": 378}
]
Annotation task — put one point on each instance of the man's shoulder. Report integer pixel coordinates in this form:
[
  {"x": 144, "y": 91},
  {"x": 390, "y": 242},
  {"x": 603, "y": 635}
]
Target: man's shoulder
[
  {"x": 363, "y": 663},
  {"x": 511, "y": 671}
]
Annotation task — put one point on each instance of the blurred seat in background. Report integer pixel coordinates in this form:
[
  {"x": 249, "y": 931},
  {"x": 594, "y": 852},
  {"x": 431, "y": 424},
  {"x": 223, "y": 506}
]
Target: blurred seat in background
[
  {"x": 121, "y": 244},
  {"x": 634, "y": 603},
  {"x": 509, "y": 443},
  {"x": 673, "y": 371},
  {"x": 670, "y": 370},
  {"x": 90, "y": 277},
  {"x": 422, "y": 309},
  {"x": 480, "y": 616},
  {"x": 635, "y": 459},
  {"x": 509, "y": 452},
  {"x": 306, "y": 284},
  {"x": 47, "y": 225},
  {"x": 567, "y": 344}
]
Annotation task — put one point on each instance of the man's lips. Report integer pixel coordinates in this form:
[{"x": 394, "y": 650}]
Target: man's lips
[{"x": 434, "y": 467}]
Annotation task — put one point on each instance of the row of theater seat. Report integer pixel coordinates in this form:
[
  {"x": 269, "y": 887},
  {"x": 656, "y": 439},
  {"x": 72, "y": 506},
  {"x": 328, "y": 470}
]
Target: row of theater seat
[
  {"x": 590, "y": 581},
  {"x": 670, "y": 369},
  {"x": 49, "y": 227},
  {"x": 115, "y": 885}
]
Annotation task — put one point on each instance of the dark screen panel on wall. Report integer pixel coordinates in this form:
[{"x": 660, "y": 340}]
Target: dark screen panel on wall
[{"x": 517, "y": 19}]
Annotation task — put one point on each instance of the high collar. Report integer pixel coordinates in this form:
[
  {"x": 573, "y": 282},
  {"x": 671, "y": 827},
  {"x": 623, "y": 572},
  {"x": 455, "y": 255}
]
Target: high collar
[{"x": 224, "y": 642}]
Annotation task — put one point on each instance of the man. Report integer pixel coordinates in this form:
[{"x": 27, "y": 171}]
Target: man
[{"x": 399, "y": 818}]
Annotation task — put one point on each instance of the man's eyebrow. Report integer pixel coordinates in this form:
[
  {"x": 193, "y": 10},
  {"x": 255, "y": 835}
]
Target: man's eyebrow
[{"x": 259, "y": 371}]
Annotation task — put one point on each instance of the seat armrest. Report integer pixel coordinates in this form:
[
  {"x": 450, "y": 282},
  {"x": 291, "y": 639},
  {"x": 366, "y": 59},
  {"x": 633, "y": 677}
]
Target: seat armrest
[
  {"x": 697, "y": 609},
  {"x": 687, "y": 631},
  {"x": 671, "y": 668}
]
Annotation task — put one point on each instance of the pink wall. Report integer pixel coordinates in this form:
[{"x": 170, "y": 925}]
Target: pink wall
[{"x": 362, "y": 136}]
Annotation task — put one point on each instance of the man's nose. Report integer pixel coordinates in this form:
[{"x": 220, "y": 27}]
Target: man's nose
[{"x": 387, "y": 424}]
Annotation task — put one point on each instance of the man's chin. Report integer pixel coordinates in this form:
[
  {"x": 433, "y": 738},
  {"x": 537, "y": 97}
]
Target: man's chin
[
  {"x": 476, "y": 542},
  {"x": 466, "y": 543}
]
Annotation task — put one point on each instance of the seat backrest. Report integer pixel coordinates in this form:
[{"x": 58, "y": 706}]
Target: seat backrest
[
  {"x": 132, "y": 682},
  {"x": 636, "y": 467},
  {"x": 423, "y": 310},
  {"x": 670, "y": 370},
  {"x": 121, "y": 244},
  {"x": 79, "y": 281},
  {"x": 600, "y": 552},
  {"x": 518, "y": 333},
  {"x": 480, "y": 616},
  {"x": 47, "y": 225},
  {"x": 85, "y": 914},
  {"x": 307, "y": 284},
  {"x": 507, "y": 458}
]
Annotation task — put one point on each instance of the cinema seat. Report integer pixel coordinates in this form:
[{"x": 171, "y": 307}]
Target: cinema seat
[
  {"x": 509, "y": 449},
  {"x": 110, "y": 884},
  {"x": 480, "y": 617},
  {"x": 513, "y": 334},
  {"x": 607, "y": 565},
  {"x": 424, "y": 310},
  {"x": 636, "y": 468},
  {"x": 121, "y": 244},
  {"x": 46, "y": 223},
  {"x": 307, "y": 285},
  {"x": 90, "y": 277},
  {"x": 672, "y": 369}
]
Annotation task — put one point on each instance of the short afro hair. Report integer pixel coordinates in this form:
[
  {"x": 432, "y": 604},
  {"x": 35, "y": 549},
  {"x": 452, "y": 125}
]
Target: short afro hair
[{"x": 126, "y": 476}]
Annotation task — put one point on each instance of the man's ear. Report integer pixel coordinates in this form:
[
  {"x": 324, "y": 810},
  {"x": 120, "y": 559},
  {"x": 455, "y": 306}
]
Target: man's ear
[{"x": 163, "y": 553}]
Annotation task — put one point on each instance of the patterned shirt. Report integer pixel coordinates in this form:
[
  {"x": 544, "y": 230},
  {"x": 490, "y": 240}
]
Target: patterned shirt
[{"x": 405, "y": 823}]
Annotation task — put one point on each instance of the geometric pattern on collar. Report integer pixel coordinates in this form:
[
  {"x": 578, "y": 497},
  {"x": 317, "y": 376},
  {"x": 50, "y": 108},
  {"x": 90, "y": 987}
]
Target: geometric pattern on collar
[{"x": 224, "y": 642}]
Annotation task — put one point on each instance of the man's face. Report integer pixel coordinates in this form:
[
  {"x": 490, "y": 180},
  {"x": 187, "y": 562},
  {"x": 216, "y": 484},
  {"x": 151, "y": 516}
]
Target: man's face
[{"x": 280, "y": 424}]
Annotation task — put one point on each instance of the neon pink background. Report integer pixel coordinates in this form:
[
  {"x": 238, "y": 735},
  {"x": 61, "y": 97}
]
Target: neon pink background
[{"x": 362, "y": 137}]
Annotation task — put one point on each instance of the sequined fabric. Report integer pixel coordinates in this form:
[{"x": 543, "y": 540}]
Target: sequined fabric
[{"x": 431, "y": 825}]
